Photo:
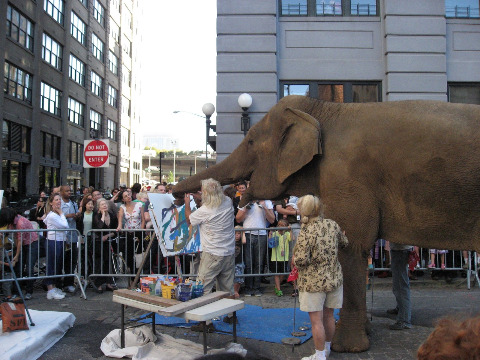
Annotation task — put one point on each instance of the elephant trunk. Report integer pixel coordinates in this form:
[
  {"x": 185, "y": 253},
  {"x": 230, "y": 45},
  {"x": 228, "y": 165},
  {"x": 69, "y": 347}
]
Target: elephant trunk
[{"x": 227, "y": 172}]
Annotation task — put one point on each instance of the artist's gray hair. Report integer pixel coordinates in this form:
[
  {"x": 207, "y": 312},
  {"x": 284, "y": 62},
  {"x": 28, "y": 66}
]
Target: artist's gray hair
[
  {"x": 212, "y": 193},
  {"x": 310, "y": 208}
]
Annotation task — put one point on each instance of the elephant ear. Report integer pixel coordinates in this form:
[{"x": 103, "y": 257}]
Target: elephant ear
[{"x": 301, "y": 141}]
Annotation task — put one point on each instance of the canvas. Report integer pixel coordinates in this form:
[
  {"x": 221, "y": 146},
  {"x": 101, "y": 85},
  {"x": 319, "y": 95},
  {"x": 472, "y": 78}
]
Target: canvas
[{"x": 175, "y": 236}]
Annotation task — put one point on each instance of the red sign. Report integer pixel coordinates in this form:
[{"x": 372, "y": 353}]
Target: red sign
[{"x": 96, "y": 153}]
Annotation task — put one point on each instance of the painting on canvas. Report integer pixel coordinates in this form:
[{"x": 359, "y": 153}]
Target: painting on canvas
[{"x": 175, "y": 236}]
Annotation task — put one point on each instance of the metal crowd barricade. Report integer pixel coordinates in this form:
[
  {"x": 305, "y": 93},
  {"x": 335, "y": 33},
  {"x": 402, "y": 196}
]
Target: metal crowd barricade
[
  {"x": 453, "y": 261},
  {"x": 35, "y": 255},
  {"x": 116, "y": 254}
]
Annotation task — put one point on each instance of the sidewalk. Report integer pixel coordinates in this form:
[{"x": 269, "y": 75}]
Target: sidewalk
[{"x": 431, "y": 300}]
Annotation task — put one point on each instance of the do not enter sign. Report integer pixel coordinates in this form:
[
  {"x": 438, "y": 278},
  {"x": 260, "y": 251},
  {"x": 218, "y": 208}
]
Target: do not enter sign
[{"x": 96, "y": 153}]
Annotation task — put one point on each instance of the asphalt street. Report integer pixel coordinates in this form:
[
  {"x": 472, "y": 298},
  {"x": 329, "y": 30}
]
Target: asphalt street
[{"x": 431, "y": 300}]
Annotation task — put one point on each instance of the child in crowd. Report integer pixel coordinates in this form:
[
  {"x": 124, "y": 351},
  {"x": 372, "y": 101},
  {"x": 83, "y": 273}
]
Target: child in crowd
[
  {"x": 280, "y": 253},
  {"x": 239, "y": 265}
]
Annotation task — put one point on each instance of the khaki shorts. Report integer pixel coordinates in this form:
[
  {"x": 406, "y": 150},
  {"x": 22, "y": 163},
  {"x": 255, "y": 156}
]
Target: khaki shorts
[{"x": 310, "y": 302}]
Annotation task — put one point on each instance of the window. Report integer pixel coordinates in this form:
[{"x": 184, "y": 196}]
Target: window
[
  {"x": 363, "y": 7},
  {"x": 95, "y": 120},
  {"x": 462, "y": 9},
  {"x": 19, "y": 28},
  {"x": 78, "y": 29},
  {"x": 49, "y": 177},
  {"x": 112, "y": 63},
  {"x": 114, "y": 32},
  {"x": 15, "y": 137},
  {"x": 97, "y": 84},
  {"x": 52, "y": 52},
  {"x": 125, "y": 135},
  {"x": 112, "y": 130},
  {"x": 112, "y": 96},
  {"x": 127, "y": 47},
  {"x": 126, "y": 77},
  {"x": 296, "y": 89},
  {"x": 344, "y": 92},
  {"x": 17, "y": 83},
  {"x": 125, "y": 106},
  {"x": 115, "y": 4},
  {"x": 51, "y": 146},
  {"x": 54, "y": 8},
  {"x": 99, "y": 12},
  {"x": 97, "y": 47},
  {"x": 76, "y": 111},
  {"x": 76, "y": 71},
  {"x": 468, "y": 93},
  {"x": 75, "y": 153},
  {"x": 329, "y": 7},
  {"x": 50, "y": 99},
  {"x": 84, "y": 2}
]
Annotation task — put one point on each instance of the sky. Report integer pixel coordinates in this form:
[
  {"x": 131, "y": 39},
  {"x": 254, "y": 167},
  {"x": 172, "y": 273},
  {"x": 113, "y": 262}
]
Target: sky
[{"x": 179, "y": 69}]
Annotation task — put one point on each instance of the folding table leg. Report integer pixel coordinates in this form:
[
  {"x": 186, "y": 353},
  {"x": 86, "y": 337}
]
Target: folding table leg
[
  {"x": 122, "y": 331},
  {"x": 204, "y": 326},
  {"x": 152, "y": 315},
  {"x": 234, "y": 318}
]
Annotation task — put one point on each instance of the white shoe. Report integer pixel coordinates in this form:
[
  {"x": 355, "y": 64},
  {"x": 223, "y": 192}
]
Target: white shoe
[
  {"x": 70, "y": 289},
  {"x": 52, "y": 294},
  {"x": 58, "y": 291},
  {"x": 311, "y": 357}
]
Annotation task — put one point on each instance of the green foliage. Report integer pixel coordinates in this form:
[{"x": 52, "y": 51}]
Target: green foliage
[{"x": 170, "y": 178}]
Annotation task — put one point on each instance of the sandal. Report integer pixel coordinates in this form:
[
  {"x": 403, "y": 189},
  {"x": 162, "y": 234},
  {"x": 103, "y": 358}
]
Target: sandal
[
  {"x": 278, "y": 292},
  {"x": 295, "y": 293}
]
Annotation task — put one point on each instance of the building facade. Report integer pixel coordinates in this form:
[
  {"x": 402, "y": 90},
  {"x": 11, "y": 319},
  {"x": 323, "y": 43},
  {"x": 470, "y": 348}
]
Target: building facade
[
  {"x": 64, "y": 68},
  {"x": 343, "y": 51}
]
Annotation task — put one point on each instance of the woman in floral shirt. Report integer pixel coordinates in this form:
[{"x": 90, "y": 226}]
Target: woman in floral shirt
[{"x": 320, "y": 279}]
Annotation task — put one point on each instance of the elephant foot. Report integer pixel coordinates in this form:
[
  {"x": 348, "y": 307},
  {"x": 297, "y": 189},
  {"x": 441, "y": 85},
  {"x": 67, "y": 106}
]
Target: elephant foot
[{"x": 350, "y": 338}]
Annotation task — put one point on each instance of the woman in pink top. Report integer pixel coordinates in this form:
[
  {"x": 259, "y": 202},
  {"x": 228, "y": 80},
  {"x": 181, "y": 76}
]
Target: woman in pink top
[{"x": 130, "y": 217}]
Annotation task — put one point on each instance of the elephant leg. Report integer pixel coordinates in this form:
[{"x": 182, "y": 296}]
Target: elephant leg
[{"x": 351, "y": 331}]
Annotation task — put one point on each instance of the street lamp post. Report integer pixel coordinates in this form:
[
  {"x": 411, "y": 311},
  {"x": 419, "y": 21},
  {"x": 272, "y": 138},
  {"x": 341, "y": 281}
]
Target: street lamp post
[
  {"x": 245, "y": 101},
  {"x": 208, "y": 109},
  {"x": 174, "y": 143}
]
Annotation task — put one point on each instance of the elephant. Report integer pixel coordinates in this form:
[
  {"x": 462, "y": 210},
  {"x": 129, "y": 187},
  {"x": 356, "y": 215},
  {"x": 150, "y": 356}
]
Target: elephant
[{"x": 405, "y": 171}]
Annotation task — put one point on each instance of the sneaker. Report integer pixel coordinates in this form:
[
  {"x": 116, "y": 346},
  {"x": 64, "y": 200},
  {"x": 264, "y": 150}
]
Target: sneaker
[
  {"x": 229, "y": 320},
  {"x": 257, "y": 293},
  {"x": 311, "y": 357},
  {"x": 264, "y": 280},
  {"x": 431, "y": 266},
  {"x": 465, "y": 266},
  {"x": 393, "y": 311},
  {"x": 278, "y": 292},
  {"x": 248, "y": 292},
  {"x": 71, "y": 289},
  {"x": 443, "y": 267},
  {"x": 199, "y": 328},
  {"x": 58, "y": 291},
  {"x": 400, "y": 325},
  {"x": 28, "y": 296},
  {"x": 52, "y": 294}
]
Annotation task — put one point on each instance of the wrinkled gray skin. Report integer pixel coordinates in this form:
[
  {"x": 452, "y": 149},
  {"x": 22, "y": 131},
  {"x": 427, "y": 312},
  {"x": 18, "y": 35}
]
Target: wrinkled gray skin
[{"x": 407, "y": 171}]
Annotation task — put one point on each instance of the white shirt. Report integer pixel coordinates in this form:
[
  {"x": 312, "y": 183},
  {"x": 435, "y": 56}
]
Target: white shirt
[
  {"x": 217, "y": 233},
  {"x": 55, "y": 222},
  {"x": 255, "y": 217}
]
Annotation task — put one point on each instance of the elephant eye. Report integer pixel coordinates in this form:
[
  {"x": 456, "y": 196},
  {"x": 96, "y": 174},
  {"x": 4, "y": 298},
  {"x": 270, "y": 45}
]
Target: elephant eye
[{"x": 250, "y": 142}]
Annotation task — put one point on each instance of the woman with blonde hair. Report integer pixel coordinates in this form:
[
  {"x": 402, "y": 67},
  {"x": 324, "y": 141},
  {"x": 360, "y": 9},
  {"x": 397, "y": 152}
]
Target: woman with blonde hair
[{"x": 320, "y": 278}]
